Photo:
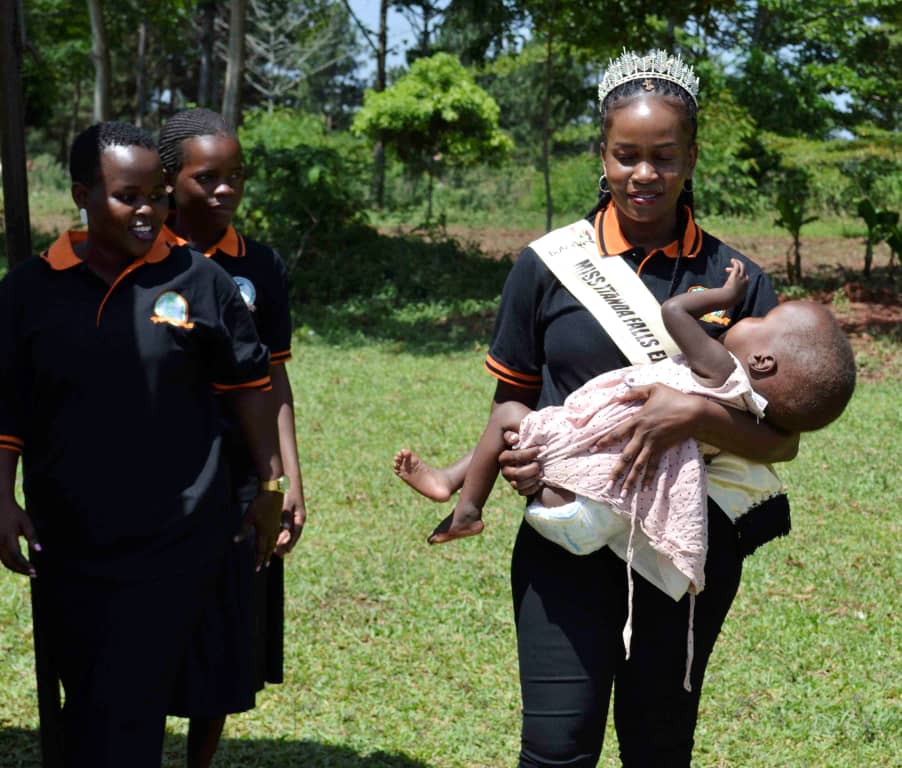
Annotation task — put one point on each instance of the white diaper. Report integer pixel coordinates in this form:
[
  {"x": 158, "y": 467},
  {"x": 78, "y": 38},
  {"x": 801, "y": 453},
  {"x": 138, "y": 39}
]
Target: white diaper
[
  {"x": 581, "y": 527},
  {"x": 584, "y": 526}
]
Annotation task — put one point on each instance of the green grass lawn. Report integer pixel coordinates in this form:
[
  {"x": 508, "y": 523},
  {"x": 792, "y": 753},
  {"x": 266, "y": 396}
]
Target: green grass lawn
[{"x": 399, "y": 655}]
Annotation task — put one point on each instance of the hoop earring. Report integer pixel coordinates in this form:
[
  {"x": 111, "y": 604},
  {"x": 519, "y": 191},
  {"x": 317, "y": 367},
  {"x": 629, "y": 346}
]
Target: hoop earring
[{"x": 603, "y": 188}]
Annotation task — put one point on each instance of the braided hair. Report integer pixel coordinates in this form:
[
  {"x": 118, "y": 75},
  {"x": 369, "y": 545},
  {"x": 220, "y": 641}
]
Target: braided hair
[
  {"x": 659, "y": 87},
  {"x": 188, "y": 124},
  {"x": 89, "y": 145}
]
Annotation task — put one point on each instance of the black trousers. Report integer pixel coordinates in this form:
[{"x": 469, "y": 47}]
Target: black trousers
[{"x": 570, "y": 611}]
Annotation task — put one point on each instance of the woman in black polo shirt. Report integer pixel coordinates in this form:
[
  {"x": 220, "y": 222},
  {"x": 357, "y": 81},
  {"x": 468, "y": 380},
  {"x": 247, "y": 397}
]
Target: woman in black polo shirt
[
  {"x": 238, "y": 648},
  {"x": 570, "y": 609},
  {"x": 112, "y": 348}
]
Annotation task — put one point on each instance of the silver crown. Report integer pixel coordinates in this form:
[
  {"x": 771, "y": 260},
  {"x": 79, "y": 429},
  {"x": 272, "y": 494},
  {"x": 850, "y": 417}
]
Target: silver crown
[{"x": 657, "y": 64}]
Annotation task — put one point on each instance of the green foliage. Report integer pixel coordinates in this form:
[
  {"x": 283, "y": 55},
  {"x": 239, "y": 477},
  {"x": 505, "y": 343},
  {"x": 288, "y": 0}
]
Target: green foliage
[
  {"x": 840, "y": 170},
  {"x": 724, "y": 179},
  {"x": 792, "y": 201},
  {"x": 433, "y": 115},
  {"x": 882, "y": 225},
  {"x": 574, "y": 185},
  {"x": 795, "y": 58},
  {"x": 474, "y": 30},
  {"x": 304, "y": 181},
  {"x": 516, "y": 81}
]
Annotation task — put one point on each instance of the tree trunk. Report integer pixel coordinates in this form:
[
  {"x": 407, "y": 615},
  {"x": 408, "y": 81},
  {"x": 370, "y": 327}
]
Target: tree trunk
[
  {"x": 141, "y": 75},
  {"x": 429, "y": 199},
  {"x": 379, "y": 151},
  {"x": 72, "y": 127},
  {"x": 868, "y": 256},
  {"x": 798, "y": 252},
  {"x": 205, "y": 63},
  {"x": 231, "y": 98},
  {"x": 100, "y": 55},
  {"x": 546, "y": 120},
  {"x": 12, "y": 135}
]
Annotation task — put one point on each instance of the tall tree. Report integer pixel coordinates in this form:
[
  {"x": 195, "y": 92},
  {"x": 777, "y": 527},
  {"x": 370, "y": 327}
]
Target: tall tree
[
  {"x": 301, "y": 54},
  {"x": 100, "y": 55},
  {"x": 424, "y": 17},
  {"x": 141, "y": 74},
  {"x": 379, "y": 149},
  {"x": 12, "y": 134},
  {"x": 806, "y": 69},
  {"x": 546, "y": 112},
  {"x": 435, "y": 115},
  {"x": 206, "y": 25},
  {"x": 478, "y": 30},
  {"x": 231, "y": 98}
]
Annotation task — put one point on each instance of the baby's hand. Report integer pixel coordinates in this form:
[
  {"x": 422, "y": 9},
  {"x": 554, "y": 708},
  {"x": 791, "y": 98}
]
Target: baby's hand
[{"x": 737, "y": 282}]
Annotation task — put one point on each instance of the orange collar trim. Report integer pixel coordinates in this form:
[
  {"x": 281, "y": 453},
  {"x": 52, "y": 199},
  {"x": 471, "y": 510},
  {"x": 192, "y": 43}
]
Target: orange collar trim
[
  {"x": 231, "y": 243},
  {"x": 61, "y": 255},
  {"x": 612, "y": 242}
]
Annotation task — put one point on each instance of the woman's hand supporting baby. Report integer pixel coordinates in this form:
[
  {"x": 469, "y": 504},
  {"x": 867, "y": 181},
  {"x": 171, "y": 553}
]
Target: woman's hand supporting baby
[
  {"x": 520, "y": 466},
  {"x": 667, "y": 418}
]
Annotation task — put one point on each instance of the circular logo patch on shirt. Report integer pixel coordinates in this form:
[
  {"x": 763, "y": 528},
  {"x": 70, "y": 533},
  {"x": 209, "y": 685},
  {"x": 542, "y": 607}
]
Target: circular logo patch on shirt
[
  {"x": 718, "y": 316},
  {"x": 248, "y": 291},
  {"x": 171, "y": 307}
]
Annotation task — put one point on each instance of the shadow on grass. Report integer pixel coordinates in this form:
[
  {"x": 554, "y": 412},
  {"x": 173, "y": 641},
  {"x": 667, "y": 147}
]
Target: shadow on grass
[
  {"x": 19, "y": 748},
  {"x": 427, "y": 294}
]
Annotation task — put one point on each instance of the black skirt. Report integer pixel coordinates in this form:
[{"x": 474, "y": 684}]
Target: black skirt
[
  {"x": 237, "y": 648},
  {"x": 117, "y": 647}
]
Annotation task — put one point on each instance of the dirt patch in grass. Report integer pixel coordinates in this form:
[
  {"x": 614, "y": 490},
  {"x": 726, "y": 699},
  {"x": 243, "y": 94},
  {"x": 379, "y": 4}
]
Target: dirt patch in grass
[
  {"x": 831, "y": 270},
  {"x": 870, "y": 311}
]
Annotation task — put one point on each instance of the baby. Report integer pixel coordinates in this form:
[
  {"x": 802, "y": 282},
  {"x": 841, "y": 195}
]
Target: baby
[{"x": 803, "y": 372}]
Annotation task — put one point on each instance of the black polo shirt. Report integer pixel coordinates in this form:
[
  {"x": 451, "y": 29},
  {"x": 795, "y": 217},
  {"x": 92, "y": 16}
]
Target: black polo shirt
[
  {"x": 544, "y": 339},
  {"x": 108, "y": 393},
  {"x": 262, "y": 279}
]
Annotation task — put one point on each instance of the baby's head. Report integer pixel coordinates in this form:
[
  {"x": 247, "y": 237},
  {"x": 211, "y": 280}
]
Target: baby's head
[{"x": 797, "y": 357}]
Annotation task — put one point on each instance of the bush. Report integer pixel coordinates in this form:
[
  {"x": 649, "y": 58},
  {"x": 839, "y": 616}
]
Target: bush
[
  {"x": 724, "y": 180},
  {"x": 304, "y": 182},
  {"x": 574, "y": 185},
  {"x": 841, "y": 171}
]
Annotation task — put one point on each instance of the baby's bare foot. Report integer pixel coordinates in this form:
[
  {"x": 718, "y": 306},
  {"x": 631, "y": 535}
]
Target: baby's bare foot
[
  {"x": 450, "y": 529},
  {"x": 425, "y": 479}
]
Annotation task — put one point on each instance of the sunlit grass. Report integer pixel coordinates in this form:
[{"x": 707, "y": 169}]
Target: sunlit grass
[{"x": 399, "y": 655}]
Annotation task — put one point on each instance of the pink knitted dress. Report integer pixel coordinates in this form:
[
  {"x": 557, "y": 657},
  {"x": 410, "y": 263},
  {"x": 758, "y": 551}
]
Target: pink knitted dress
[{"x": 673, "y": 511}]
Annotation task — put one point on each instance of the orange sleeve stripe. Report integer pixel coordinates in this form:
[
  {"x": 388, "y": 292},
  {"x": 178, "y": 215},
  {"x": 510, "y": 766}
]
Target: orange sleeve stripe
[
  {"x": 517, "y": 379},
  {"x": 508, "y": 380},
  {"x": 525, "y": 377},
  {"x": 10, "y": 443},
  {"x": 255, "y": 384},
  {"x": 280, "y": 357}
]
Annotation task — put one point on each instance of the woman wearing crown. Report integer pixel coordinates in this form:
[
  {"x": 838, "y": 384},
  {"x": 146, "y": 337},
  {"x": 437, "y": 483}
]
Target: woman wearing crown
[{"x": 570, "y": 609}]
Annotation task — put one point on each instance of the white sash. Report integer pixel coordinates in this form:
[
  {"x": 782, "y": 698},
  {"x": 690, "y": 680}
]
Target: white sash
[
  {"x": 610, "y": 290},
  {"x": 630, "y": 314}
]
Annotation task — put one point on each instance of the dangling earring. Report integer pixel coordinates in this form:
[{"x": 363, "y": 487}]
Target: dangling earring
[
  {"x": 603, "y": 188},
  {"x": 83, "y": 215}
]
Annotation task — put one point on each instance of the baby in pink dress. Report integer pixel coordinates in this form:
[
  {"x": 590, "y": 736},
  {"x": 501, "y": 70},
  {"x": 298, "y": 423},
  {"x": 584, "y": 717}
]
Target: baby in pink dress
[
  {"x": 803, "y": 370},
  {"x": 804, "y": 374},
  {"x": 671, "y": 506}
]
